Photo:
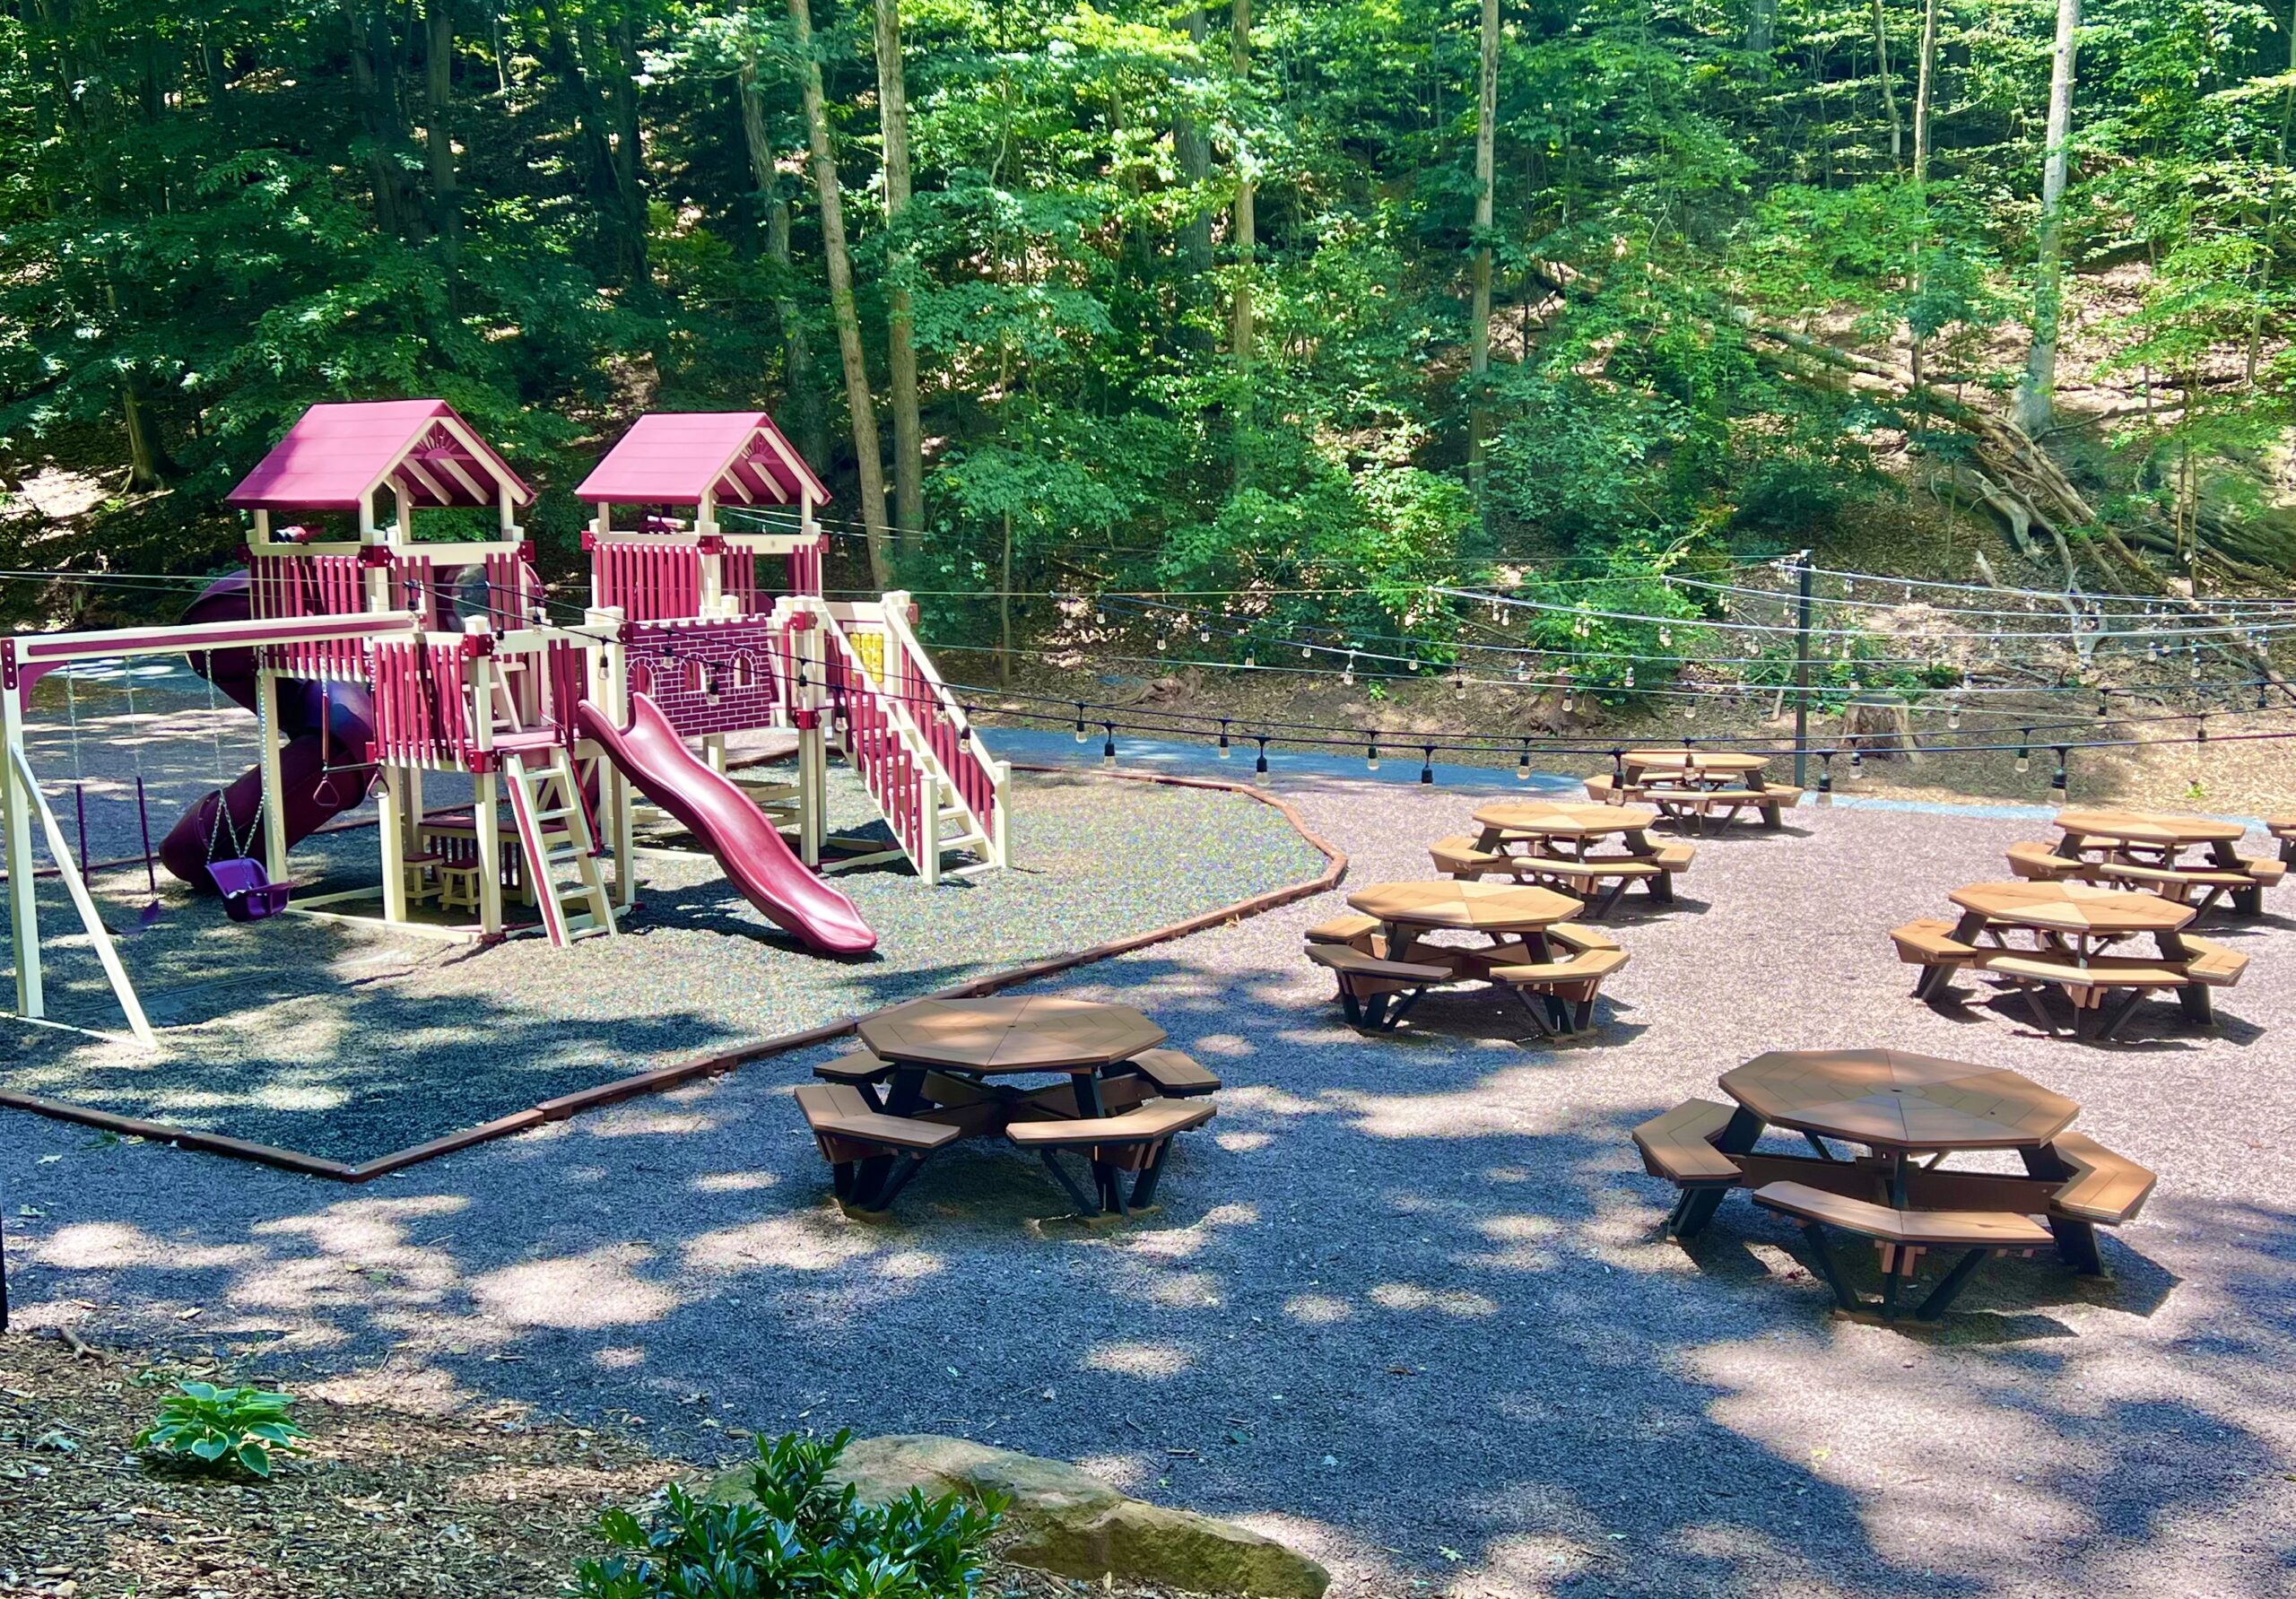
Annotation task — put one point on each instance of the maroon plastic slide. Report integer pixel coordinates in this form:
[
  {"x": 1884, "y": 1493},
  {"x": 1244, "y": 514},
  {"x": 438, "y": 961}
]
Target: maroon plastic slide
[{"x": 748, "y": 845}]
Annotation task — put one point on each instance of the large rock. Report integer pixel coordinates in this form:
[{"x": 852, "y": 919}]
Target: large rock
[{"x": 1067, "y": 1521}]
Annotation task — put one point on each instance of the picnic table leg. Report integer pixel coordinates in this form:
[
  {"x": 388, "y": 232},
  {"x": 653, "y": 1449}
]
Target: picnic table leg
[
  {"x": 1943, "y": 1294},
  {"x": 2193, "y": 997},
  {"x": 905, "y": 1098},
  {"x": 1737, "y": 1138},
  {"x": 2076, "y": 1241},
  {"x": 1089, "y": 1107},
  {"x": 1821, "y": 1251}
]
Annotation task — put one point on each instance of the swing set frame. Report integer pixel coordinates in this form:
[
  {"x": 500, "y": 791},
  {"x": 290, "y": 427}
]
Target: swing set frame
[{"x": 24, "y": 660}]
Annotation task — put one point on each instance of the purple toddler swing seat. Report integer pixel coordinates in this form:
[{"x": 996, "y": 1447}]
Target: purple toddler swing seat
[{"x": 248, "y": 893}]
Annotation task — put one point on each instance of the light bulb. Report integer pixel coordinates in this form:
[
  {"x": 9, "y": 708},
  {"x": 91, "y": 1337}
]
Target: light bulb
[
  {"x": 2025, "y": 762},
  {"x": 1953, "y": 716},
  {"x": 1371, "y": 757},
  {"x": 1224, "y": 741}
]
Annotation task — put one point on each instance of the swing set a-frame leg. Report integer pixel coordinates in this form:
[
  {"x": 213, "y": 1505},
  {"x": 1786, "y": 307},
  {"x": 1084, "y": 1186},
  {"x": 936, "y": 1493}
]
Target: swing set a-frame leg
[{"x": 27, "y": 787}]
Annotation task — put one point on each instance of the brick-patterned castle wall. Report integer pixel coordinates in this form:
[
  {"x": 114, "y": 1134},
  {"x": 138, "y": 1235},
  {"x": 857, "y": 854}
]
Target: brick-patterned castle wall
[{"x": 707, "y": 676}]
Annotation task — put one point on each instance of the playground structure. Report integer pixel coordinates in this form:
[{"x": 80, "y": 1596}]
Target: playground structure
[{"x": 375, "y": 661}]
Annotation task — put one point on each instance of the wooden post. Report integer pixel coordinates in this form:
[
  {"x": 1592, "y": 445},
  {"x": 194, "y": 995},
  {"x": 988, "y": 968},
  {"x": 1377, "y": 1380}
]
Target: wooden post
[
  {"x": 24, "y": 886},
  {"x": 485, "y": 823},
  {"x": 610, "y": 678},
  {"x": 390, "y": 826},
  {"x": 713, "y": 565},
  {"x": 274, "y": 816}
]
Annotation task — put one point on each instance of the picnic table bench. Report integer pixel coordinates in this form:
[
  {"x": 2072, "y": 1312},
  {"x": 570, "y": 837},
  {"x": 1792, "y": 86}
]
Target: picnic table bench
[
  {"x": 1898, "y": 1106},
  {"x": 2283, "y": 828}
]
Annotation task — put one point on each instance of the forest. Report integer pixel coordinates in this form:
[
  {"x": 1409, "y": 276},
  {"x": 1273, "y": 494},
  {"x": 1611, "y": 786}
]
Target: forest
[{"x": 1315, "y": 306}]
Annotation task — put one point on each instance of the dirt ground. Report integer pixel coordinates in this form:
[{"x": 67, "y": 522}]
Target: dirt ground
[{"x": 386, "y": 1503}]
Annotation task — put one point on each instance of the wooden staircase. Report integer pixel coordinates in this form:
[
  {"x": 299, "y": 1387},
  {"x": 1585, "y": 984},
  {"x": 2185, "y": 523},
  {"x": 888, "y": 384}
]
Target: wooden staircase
[{"x": 909, "y": 740}]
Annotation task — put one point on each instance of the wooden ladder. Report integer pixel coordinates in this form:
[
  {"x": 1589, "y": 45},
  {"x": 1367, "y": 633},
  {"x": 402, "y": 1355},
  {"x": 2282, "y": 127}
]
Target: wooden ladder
[{"x": 541, "y": 795}]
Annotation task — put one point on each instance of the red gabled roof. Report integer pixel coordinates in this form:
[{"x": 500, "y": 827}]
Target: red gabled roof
[
  {"x": 673, "y": 457},
  {"x": 340, "y": 452}
]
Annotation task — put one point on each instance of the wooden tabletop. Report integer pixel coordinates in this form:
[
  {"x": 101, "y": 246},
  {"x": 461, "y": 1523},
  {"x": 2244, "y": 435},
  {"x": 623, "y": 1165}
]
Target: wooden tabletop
[
  {"x": 1473, "y": 906},
  {"x": 1040, "y": 1034},
  {"x": 1889, "y": 1099},
  {"x": 1565, "y": 819},
  {"x": 2149, "y": 827},
  {"x": 1705, "y": 760},
  {"x": 2072, "y": 908}
]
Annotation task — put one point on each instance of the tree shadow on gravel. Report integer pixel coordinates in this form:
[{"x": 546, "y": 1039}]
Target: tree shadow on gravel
[{"x": 1412, "y": 1308}]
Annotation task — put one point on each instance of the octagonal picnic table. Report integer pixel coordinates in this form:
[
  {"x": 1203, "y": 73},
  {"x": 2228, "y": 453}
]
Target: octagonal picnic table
[
  {"x": 1699, "y": 769},
  {"x": 977, "y": 1040},
  {"x": 2181, "y": 853},
  {"x": 2079, "y": 919},
  {"x": 1898, "y": 1106},
  {"x": 1408, "y": 911},
  {"x": 1655, "y": 774},
  {"x": 1565, "y": 828}
]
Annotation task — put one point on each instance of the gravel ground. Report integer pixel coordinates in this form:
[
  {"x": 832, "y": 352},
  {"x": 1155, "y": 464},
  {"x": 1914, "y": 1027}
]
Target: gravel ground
[{"x": 1405, "y": 1304}]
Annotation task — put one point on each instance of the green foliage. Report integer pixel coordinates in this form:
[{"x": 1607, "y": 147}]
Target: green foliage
[
  {"x": 209, "y": 221},
  {"x": 799, "y": 1539},
  {"x": 240, "y": 1428}
]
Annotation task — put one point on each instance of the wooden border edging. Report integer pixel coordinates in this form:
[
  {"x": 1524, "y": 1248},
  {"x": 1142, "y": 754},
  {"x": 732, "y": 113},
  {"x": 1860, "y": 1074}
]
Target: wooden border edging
[{"x": 718, "y": 1065}]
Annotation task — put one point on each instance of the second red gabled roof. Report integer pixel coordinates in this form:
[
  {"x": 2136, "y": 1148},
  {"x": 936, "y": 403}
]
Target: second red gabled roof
[{"x": 673, "y": 457}]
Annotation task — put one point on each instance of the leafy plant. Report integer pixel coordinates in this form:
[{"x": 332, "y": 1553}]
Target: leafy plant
[
  {"x": 242, "y": 1426},
  {"x": 797, "y": 1536}
]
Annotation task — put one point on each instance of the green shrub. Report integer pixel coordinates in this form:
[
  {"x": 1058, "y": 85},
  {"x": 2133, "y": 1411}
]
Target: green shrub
[
  {"x": 802, "y": 1537},
  {"x": 240, "y": 1427}
]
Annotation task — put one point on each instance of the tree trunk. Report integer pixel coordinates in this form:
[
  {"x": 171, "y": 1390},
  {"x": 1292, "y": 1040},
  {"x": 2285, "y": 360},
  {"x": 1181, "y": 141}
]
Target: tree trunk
[
  {"x": 2274, "y": 210},
  {"x": 900, "y": 352},
  {"x": 1239, "y": 58},
  {"x": 144, "y": 454},
  {"x": 1004, "y": 608},
  {"x": 1921, "y": 162},
  {"x": 1761, "y": 26},
  {"x": 437, "y": 81},
  {"x": 1889, "y": 87},
  {"x": 629, "y": 146},
  {"x": 1194, "y": 150},
  {"x": 1479, "y": 329},
  {"x": 804, "y": 404},
  {"x": 1921, "y": 92},
  {"x": 373, "y": 85},
  {"x": 867, "y": 461},
  {"x": 2037, "y": 392},
  {"x": 597, "y": 152}
]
